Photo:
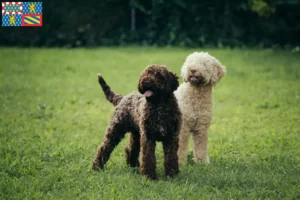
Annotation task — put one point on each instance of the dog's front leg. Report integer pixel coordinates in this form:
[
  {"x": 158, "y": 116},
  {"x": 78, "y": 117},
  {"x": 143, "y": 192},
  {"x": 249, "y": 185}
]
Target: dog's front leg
[
  {"x": 148, "y": 160},
  {"x": 183, "y": 144},
  {"x": 200, "y": 138},
  {"x": 170, "y": 156}
]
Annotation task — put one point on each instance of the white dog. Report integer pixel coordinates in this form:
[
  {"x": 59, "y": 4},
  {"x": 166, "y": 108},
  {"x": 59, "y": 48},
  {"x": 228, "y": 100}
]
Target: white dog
[{"x": 200, "y": 73}]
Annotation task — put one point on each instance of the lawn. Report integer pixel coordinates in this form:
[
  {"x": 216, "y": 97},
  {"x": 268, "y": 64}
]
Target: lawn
[{"x": 54, "y": 115}]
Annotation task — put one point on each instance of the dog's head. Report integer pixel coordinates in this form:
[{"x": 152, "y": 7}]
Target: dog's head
[
  {"x": 201, "y": 69},
  {"x": 157, "y": 82}
]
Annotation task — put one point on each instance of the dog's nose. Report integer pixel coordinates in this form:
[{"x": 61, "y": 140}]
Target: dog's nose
[{"x": 193, "y": 71}]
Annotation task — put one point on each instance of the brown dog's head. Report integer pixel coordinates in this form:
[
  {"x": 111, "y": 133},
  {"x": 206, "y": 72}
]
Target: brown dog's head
[{"x": 157, "y": 82}]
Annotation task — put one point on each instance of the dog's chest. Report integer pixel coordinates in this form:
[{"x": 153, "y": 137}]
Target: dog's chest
[
  {"x": 160, "y": 122},
  {"x": 195, "y": 100}
]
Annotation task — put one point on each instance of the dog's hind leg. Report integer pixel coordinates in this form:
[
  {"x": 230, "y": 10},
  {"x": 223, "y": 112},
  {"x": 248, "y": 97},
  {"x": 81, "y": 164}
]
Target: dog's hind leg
[
  {"x": 133, "y": 150},
  {"x": 114, "y": 134},
  {"x": 170, "y": 157}
]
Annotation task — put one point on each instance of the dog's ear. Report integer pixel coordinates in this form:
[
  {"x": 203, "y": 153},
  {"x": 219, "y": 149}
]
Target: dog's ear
[
  {"x": 173, "y": 81},
  {"x": 140, "y": 86},
  {"x": 218, "y": 72},
  {"x": 183, "y": 75},
  {"x": 184, "y": 72}
]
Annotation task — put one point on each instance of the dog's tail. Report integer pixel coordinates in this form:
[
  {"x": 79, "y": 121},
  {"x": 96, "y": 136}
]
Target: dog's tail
[{"x": 109, "y": 94}]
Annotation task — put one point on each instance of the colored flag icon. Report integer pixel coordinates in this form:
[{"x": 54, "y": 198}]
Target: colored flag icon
[
  {"x": 31, "y": 20},
  {"x": 22, "y": 14}
]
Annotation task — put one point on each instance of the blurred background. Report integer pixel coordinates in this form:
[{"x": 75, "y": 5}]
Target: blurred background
[
  {"x": 189, "y": 23},
  {"x": 53, "y": 114}
]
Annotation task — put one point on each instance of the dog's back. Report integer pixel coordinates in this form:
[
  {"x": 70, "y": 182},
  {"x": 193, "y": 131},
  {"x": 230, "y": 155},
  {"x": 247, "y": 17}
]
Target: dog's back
[{"x": 163, "y": 116}]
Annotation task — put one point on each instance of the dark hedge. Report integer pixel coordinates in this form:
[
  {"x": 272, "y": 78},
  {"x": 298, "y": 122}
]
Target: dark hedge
[{"x": 192, "y": 23}]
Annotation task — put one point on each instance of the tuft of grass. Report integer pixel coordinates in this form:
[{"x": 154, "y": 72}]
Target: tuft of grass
[{"x": 54, "y": 115}]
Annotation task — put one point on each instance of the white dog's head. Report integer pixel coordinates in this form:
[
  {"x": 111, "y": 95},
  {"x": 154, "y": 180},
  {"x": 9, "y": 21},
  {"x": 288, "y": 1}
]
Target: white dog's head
[{"x": 201, "y": 68}]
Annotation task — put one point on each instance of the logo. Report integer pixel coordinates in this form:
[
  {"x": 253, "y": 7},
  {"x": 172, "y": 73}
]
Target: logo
[{"x": 22, "y": 14}]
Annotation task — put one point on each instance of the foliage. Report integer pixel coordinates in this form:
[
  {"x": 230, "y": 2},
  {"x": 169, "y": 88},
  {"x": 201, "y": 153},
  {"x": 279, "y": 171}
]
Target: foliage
[
  {"x": 262, "y": 8},
  {"x": 53, "y": 117},
  {"x": 235, "y": 23}
]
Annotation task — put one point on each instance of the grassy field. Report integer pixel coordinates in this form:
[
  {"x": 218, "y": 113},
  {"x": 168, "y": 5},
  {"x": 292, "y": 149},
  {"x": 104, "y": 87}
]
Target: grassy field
[{"x": 54, "y": 114}]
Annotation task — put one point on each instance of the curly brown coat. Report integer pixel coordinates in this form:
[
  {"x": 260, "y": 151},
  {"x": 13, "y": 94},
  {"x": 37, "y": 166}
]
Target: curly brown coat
[{"x": 151, "y": 115}]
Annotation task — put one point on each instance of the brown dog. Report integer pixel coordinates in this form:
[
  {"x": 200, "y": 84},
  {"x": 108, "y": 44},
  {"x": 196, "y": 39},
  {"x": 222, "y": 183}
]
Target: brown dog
[{"x": 151, "y": 115}]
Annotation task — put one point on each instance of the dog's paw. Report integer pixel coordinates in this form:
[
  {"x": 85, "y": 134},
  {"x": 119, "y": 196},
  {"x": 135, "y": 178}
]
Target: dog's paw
[
  {"x": 207, "y": 161},
  {"x": 96, "y": 166},
  {"x": 150, "y": 177},
  {"x": 202, "y": 160},
  {"x": 129, "y": 160}
]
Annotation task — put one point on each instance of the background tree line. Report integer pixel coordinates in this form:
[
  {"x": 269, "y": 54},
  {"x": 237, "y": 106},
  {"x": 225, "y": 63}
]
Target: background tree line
[{"x": 234, "y": 23}]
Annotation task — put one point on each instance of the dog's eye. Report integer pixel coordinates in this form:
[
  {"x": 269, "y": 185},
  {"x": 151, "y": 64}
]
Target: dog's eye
[{"x": 159, "y": 75}]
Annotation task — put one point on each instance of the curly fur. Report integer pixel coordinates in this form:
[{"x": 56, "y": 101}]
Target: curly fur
[
  {"x": 200, "y": 73},
  {"x": 149, "y": 118}
]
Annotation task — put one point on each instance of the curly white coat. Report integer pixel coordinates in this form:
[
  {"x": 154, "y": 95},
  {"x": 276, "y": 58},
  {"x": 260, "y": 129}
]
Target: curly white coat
[{"x": 196, "y": 102}]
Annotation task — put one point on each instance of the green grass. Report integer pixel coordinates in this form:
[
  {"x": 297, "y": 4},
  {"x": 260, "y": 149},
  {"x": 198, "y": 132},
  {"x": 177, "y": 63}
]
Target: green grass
[{"x": 54, "y": 114}]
